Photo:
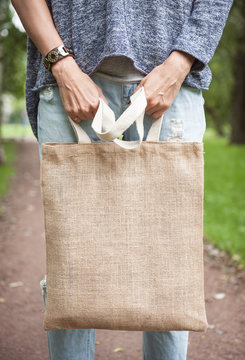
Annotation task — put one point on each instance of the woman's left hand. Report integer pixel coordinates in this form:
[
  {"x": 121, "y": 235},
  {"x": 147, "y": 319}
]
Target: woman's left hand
[{"x": 163, "y": 83}]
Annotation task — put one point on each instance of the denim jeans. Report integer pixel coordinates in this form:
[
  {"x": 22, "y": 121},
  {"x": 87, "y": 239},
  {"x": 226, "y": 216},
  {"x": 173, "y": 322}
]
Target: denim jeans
[{"x": 183, "y": 121}]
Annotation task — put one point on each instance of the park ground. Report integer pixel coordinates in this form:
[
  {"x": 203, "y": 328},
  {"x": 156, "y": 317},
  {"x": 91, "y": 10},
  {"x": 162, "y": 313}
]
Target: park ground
[{"x": 22, "y": 246}]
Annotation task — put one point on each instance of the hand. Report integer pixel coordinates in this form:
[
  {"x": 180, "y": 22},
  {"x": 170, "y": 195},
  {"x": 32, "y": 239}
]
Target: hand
[
  {"x": 79, "y": 94},
  {"x": 163, "y": 83}
]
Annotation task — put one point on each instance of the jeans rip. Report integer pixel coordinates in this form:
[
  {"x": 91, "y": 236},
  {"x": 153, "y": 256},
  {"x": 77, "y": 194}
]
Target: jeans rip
[
  {"x": 176, "y": 130},
  {"x": 46, "y": 93}
]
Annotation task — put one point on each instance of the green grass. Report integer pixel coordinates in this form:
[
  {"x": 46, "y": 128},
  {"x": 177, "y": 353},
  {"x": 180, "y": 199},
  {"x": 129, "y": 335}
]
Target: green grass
[
  {"x": 16, "y": 130},
  {"x": 7, "y": 169},
  {"x": 224, "y": 200}
]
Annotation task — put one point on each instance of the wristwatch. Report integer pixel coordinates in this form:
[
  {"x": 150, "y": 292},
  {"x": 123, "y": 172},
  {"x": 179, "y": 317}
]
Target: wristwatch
[{"x": 57, "y": 54}]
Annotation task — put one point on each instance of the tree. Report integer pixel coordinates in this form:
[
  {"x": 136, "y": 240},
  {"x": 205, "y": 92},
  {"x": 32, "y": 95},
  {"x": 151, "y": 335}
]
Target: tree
[
  {"x": 225, "y": 101},
  {"x": 219, "y": 97},
  {"x": 12, "y": 60},
  {"x": 2, "y": 8},
  {"x": 238, "y": 95},
  {"x": 14, "y": 56}
]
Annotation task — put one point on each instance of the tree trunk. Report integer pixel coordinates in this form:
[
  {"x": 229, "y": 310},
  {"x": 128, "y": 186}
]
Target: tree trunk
[
  {"x": 238, "y": 102},
  {"x": 217, "y": 120},
  {"x": 238, "y": 98},
  {"x": 2, "y": 155}
]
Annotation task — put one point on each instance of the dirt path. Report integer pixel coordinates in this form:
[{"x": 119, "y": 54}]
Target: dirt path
[{"x": 22, "y": 264}]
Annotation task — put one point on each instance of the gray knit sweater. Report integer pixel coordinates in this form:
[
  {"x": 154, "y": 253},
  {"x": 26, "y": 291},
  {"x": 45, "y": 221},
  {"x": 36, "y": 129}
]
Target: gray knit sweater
[{"x": 146, "y": 31}]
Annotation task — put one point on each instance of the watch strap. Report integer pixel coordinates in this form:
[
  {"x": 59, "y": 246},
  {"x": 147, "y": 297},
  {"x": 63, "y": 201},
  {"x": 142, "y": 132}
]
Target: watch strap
[{"x": 57, "y": 54}]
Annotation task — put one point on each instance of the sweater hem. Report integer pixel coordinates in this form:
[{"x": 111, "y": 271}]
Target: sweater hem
[{"x": 198, "y": 84}]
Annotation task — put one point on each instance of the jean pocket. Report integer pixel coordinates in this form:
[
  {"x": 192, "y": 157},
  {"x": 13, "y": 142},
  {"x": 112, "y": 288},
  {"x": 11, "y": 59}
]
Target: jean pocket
[{"x": 197, "y": 93}]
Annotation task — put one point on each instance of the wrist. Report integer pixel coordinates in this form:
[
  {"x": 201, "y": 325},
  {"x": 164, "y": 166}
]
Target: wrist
[
  {"x": 182, "y": 61},
  {"x": 61, "y": 66},
  {"x": 57, "y": 54},
  {"x": 51, "y": 46}
]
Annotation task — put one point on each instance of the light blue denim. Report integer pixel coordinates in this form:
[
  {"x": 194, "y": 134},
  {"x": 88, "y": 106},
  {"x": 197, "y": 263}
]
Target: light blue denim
[{"x": 183, "y": 121}]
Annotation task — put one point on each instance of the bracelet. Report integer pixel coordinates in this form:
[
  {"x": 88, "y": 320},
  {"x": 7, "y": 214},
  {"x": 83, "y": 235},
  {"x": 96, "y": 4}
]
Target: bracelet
[{"x": 56, "y": 55}]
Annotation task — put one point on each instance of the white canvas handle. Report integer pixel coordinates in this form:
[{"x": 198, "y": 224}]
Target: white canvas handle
[{"x": 108, "y": 129}]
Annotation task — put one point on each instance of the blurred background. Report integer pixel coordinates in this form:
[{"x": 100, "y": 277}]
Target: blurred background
[
  {"x": 225, "y": 115},
  {"x": 224, "y": 203}
]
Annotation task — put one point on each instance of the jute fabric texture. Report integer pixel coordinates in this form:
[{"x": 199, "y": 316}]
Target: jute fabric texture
[{"x": 124, "y": 236}]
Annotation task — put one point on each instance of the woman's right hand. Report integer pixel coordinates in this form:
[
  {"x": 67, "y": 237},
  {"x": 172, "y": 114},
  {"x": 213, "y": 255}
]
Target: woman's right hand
[{"x": 79, "y": 94}]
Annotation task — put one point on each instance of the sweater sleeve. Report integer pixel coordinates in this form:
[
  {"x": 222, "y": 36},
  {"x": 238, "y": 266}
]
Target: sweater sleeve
[{"x": 202, "y": 31}]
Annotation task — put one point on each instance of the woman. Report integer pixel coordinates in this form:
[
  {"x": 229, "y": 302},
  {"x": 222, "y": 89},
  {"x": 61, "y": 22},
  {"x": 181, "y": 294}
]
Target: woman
[{"x": 109, "y": 49}]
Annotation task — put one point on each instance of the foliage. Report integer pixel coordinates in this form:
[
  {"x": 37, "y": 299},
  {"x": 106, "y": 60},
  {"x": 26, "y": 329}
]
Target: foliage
[
  {"x": 218, "y": 99},
  {"x": 224, "y": 165},
  {"x": 14, "y": 53},
  {"x": 224, "y": 205},
  {"x": 16, "y": 131},
  {"x": 7, "y": 169}
]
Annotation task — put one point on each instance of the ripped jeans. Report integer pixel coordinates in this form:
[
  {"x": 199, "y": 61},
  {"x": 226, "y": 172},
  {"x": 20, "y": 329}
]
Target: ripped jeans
[{"x": 183, "y": 121}]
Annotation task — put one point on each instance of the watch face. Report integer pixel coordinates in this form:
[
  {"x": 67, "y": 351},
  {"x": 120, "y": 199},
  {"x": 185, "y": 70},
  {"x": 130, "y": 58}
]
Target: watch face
[{"x": 53, "y": 56}]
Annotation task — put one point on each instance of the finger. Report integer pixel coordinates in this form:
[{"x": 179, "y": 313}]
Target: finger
[
  {"x": 76, "y": 120},
  {"x": 154, "y": 104},
  {"x": 85, "y": 114},
  {"x": 79, "y": 108},
  {"x": 78, "y": 114},
  {"x": 86, "y": 108},
  {"x": 156, "y": 110},
  {"x": 78, "y": 117},
  {"x": 91, "y": 108},
  {"x": 74, "y": 114},
  {"x": 157, "y": 114},
  {"x": 163, "y": 104}
]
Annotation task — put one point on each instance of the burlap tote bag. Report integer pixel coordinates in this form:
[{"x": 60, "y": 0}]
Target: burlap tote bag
[{"x": 124, "y": 228}]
